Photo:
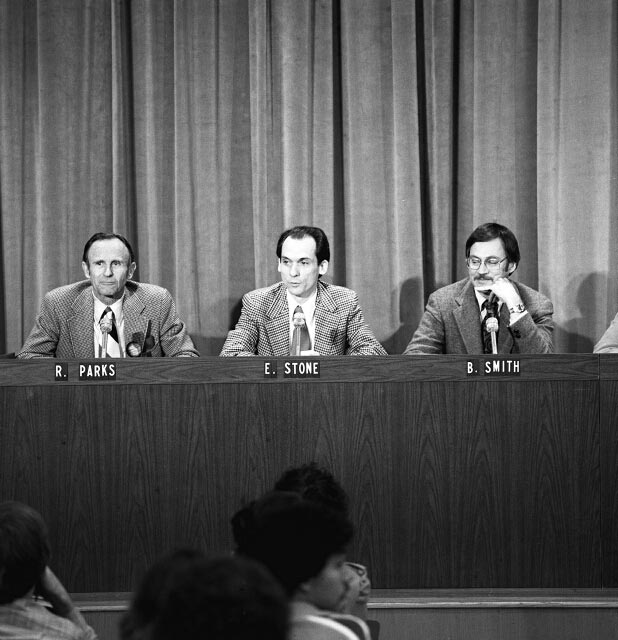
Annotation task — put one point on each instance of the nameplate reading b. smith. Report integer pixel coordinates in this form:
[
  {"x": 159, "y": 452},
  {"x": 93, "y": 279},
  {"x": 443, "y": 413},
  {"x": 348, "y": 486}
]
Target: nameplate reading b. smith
[
  {"x": 494, "y": 367},
  {"x": 103, "y": 371}
]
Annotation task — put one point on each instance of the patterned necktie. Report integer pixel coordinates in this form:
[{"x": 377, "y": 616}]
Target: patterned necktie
[
  {"x": 492, "y": 312},
  {"x": 300, "y": 336},
  {"x": 113, "y": 346}
]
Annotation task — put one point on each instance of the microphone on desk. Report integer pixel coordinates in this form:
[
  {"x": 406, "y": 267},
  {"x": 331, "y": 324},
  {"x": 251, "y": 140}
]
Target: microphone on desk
[
  {"x": 105, "y": 324},
  {"x": 298, "y": 321},
  {"x": 492, "y": 323},
  {"x": 492, "y": 326}
]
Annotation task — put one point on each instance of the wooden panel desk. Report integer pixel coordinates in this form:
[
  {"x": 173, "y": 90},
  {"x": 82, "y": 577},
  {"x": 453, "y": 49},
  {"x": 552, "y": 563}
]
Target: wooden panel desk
[{"x": 455, "y": 480}]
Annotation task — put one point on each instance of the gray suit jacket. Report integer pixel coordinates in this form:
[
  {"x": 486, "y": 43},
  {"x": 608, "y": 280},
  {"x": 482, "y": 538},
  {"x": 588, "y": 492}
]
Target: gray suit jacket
[
  {"x": 264, "y": 325},
  {"x": 64, "y": 327},
  {"x": 452, "y": 323}
]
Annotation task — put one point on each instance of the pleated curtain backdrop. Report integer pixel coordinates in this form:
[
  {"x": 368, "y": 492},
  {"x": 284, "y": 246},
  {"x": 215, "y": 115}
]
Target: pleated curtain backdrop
[{"x": 201, "y": 129}]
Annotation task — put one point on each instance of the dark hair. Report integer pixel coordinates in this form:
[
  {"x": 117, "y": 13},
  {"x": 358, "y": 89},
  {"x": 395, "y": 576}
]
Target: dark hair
[
  {"x": 152, "y": 591},
  {"x": 293, "y": 538},
  {"x": 107, "y": 236},
  {"x": 322, "y": 248},
  {"x": 315, "y": 484},
  {"x": 228, "y": 598},
  {"x": 24, "y": 549},
  {"x": 490, "y": 231}
]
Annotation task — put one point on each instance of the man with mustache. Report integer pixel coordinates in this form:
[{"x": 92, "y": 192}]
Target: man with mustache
[{"x": 455, "y": 316}]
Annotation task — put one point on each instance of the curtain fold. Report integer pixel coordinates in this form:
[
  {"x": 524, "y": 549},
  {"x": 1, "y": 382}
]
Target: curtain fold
[{"x": 202, "y": 129}]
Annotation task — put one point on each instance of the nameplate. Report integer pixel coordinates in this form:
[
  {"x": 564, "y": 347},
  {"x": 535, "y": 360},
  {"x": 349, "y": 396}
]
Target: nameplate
[
  {"x": 301, "y": 369},
  {"x": 62, "y": 371},
  {"x": 103, "y": 371},
  {"x": 494, "y": 367}
]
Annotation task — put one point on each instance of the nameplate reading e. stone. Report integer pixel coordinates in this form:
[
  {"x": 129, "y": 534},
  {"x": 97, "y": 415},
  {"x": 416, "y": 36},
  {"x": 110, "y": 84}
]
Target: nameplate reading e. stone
[
  {"x": 270, "y": 369},
  {"x": 103, "y": 371},
  {"x": 494, "y": 367},
  {"x": 301, "y": 369}
]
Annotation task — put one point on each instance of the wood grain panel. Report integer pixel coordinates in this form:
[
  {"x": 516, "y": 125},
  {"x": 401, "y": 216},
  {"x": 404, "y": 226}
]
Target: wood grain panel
[
  {"x": 609, "y": 475},
  {"x": 454, "y": 481}
]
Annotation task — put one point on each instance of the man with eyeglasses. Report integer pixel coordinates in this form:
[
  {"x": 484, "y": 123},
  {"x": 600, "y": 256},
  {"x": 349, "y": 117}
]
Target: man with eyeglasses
[{"x": 455, "y": 319}]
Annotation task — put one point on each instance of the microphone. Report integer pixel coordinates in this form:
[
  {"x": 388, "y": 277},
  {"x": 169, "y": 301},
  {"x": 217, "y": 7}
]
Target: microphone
[
  {"x": 298, "y": 321},
  {"x": 491, "y": 324},
  {"x": 105, "y": 324}
]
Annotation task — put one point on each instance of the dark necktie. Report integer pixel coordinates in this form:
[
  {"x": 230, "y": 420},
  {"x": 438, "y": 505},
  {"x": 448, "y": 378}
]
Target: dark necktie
[
  {"x": 492, "y": 312},
  {"x": 108, "y": 315},
  {"x": 300, "y": 336}
]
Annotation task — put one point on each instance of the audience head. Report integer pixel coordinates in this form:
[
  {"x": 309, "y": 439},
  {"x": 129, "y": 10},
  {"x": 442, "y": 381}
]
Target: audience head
[
  {"x": 315, "y": 484},
  {"x": 152, "y": 591},
  {"x": 24, "y": 550},
  {"x": 187, "y": 595},
  {"x": 302, "y": 543}
]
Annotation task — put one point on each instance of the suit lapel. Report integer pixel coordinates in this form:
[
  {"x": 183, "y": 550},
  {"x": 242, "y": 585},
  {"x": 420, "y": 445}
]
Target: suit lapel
[
  {"x": 277, "y": 324},
  {"x": 81, "y": 325},
  {"x": 468, "y": 319},
  {"x": 135, "y": 324},
  {"x": 326, "y": 320}
]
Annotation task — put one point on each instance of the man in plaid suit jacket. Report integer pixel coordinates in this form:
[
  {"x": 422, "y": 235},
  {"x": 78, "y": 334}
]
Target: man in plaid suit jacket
[
  {"x": 67, "y": 324},
  {"x": 334, "y": 318}
]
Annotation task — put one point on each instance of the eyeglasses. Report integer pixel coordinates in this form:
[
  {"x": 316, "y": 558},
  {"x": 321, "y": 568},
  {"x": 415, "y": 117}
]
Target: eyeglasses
[{"x": 492, "y": 264}]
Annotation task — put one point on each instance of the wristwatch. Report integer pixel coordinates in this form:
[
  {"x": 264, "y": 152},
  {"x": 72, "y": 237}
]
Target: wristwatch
[{"x": 518, "y": 308}]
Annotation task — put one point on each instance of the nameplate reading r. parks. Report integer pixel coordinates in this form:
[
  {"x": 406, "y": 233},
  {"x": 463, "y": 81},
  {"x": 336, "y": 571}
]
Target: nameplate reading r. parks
[
  {"x": 495, "y": 367},
  {"x": 103, "y": 371}
]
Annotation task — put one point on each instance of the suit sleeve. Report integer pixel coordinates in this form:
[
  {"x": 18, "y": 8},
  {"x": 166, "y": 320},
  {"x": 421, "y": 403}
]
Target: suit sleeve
[
  {"x": 174, "y": 338},
  {"x": 533, "y": 332},
  {"x": 430, "y": 336},
  {"x": 43, "y": 339},
  {"x": 243, "y": 339},
  {"x": 609, "y": 340},
  {"x": 360, "y": 338}
]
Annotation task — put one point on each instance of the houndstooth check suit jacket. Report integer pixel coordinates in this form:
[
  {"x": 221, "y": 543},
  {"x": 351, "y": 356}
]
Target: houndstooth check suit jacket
[
  {"x": 264, "y": 325},
  {"x": 64, "y": 327}
]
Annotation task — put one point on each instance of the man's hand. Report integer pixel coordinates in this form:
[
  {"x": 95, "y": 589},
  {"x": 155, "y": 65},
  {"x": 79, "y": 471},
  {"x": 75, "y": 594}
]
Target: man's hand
[
  {"x": 507, "y": 292},
  {"x": 50, "y": 588}
]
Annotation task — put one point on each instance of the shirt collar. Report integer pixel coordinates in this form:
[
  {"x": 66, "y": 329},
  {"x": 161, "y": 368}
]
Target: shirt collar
[
  {"x": 480, "y": 299},
  {"x": 116, "y": 307},
  {"x": 308, "y": 306}
]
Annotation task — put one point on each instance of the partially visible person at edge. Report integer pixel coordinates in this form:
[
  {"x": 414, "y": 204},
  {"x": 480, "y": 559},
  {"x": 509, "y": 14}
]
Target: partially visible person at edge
[
  {"x": 24, "y": 573},
  {"x": 609, "y": 340},
  {"x": 316, "y": 484},
  {"x": 141, "y": 318},
  {"x": 455, "y": 317},
  {"x": 334, "y": 319}
]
